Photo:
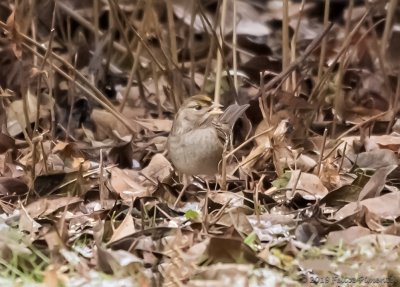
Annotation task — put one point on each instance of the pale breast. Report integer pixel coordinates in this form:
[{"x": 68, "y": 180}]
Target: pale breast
[{"x": 196, "y": 152}]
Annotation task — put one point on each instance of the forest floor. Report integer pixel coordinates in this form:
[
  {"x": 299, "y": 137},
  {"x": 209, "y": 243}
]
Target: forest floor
[{"x": 88, "y": 94}]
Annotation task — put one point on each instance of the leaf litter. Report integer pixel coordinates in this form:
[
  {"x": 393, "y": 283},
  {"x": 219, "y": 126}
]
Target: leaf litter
[{"x": 88, "y": 93}]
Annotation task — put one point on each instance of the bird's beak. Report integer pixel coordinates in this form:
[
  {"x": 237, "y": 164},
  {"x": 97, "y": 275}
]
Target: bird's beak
[
  {"x": 216, "y": 112},
  {"x": 215, "y": 109}
]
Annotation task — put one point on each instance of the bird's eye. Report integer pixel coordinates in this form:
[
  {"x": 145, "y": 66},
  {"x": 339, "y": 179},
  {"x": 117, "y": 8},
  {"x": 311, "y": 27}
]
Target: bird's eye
[{"x": 197, "y": 107}]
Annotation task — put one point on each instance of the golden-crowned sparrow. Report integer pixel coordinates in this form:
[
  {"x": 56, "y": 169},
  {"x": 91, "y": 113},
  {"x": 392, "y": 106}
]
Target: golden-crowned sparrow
[{"x": 199, "y": 134}]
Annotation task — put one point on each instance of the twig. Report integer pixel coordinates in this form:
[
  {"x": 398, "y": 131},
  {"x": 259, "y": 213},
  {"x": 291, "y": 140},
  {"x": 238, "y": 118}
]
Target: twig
[
  {"x": 294, "y": 188},
  {"x": 293, "y": 45},
  {"x": 191, "y": 47},
  {"x": 391, "y": 10},
  {"x": 248, "y": 141},
  {"x": 256, "y": 202},
  {"x": 285, "y": 41},
  {"x": 321, "y": 155},
  {"x": 217, "y": 91},
  {"x": 359, "y": 125},
  {"x": 324, "y": 41},
  {"x": 171, "y": 32},
  {"x": 395, "y": 105},
  {"x": 126, "y": 41},
  {"x": 343, "y": 156},
  {"x": 344, "y": 47},
  {"x": 91, "y": 91},
  {"x": 284, "y": 74},
  {"x": 234, "y": 48}
]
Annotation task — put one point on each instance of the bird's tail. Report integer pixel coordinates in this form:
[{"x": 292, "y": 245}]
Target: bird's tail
[{"x": 232, "y": 113}]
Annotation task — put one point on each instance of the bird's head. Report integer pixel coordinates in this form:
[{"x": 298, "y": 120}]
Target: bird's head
[{"x": 194, "y": 112}]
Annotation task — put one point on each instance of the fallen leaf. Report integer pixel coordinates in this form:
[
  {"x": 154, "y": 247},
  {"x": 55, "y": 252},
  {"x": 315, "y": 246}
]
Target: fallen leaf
[
  {"x": 129, "y": 184},
  {"x": 47, "y": 205},
  {"x": 385, "y": 206},
  {"x": 376, "y": 183},
  {"x": 377, "y": 158},
  {"x": 126, "y": 228},
  {"x": 308, "y": 185},
  {"x": 346, "y": 236},
  {"x": 158, "y": 169}
]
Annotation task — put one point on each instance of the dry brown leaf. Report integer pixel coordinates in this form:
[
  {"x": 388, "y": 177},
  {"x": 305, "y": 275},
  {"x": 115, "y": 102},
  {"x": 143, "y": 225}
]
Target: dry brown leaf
[
  {"x": 107, "y": 125},
  {"x": 12, "y": 186},
  {"x": 15, "y": 119},
  {"x": 47, "y": 205},
  {"x": 376, "y": 183},
  {"x": 156, "y": 125},
  {"x": 236, "y": 217},
  {"x": 308, "y": 185},
  {"x": 129, "y": 184},
  {"x": 385, "y": 206},
  {"x": 6, "y": 143},
  {"x": 127, "y": 227},
  {"x": 271, "y": 141},
  {"x": 158, "y": 169},
  {"x": 14, "y": 35},
  {"x": 330, "y": 176},
  {"x": 377, "y": 159},
  {"x": 27, "y": 223},
  {"x": 347, "y": 236}
]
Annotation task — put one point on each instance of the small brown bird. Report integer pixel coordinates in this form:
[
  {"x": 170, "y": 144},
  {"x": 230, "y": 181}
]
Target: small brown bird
[{"x": 199, "y": 135}]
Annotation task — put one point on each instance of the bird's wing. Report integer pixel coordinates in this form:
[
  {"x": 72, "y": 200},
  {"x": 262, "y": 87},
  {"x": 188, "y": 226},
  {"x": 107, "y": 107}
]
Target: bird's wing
[
  {"x": 232, "y": 113},
  {"x": 226, "y": 121}
]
